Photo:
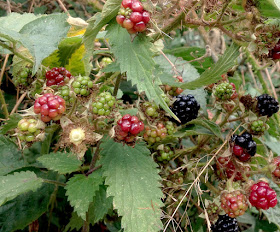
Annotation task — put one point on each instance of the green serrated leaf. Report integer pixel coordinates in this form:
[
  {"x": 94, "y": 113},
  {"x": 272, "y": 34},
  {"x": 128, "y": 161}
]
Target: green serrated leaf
[
  {"x": 135, "y": 58},
  {"x": 76, "y": 223},
  {"x": 10, "y": 156},
  {"x": 18, "y": 213},
  {"x": 11, "y": 123},
  {"x": 18, "y": 183},
  {"x": 81, "y": 189},
  {"x": 133, "y": 181},
  {"x": 77, "y": 65},
  {"x": 113, "y": 67},
  {"x": 209, "y": 125},
  {"x": 43, "y": 35},
  {"x": 60, "y": 162}
]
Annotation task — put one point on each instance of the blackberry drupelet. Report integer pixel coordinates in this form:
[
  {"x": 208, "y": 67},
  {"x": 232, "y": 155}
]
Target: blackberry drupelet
[
  {"x": 225, "y": 224},
  {"x": 185, "y": 108},
  {"x": 267, "y": 105}
]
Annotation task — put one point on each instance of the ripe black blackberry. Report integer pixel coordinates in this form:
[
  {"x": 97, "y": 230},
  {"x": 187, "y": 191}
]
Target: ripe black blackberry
[
  {"x": 267, "y": 105},
  {"x": 185, "y": 108},
  {"x": 225, "y": 223}
]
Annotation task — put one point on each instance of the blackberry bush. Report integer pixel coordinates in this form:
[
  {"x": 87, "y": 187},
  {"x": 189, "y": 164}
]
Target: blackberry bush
[
  {"x": 103, "y": 104},
  {"x": 185, "y": 108}
]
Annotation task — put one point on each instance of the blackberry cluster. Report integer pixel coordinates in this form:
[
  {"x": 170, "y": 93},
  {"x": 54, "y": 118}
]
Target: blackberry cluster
[
  {"x": 267, "y": 105},
  {"x": 65, "y": 93},
  {"x": 262, "y": 196},
  {"x": 174, "y": 91},
  {"x": 225, "y": 224},
  {"x": 58, "y": 76},
  {"x": 132, "y": 16},
  {"x": 50, "y": 106},
  {"x": 276, "y": 162},
  {"x": 258, "y": 127},
  {"x": 185, "y": 108},
  {"x": 225, "y": 91},
  {"x": 22, "y": 77},
  {"x": 82, "y": 86},
  {"x": 275, "y": 52},
  {"x": 234, "y": 203},
  {"x": 175, "y": 179},
  {"x": 244, "y": 146},
  {"x": 154, "y": 135},
  {"x": 165, "y": 154},
  {"x": 151, "y": 109},
  {"x": 170, "y": 128},
  {"x": 103, "y": 104},
  {"x": 225, "y": 168},
  {"x": 128, "y": 127},
  {"x": 28, "y": 129}
]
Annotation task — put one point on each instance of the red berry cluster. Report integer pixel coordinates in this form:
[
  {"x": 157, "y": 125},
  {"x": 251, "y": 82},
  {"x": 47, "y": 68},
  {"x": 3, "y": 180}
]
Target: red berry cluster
[
  {"x": 153, "y": 135},
  {"x": 275, "y": 52},
  {"x": 262, "y": 196},
  {"x": 58, "y": 76},
  {"x": 132, "y": 16},
  {"x": 50, "y": 106},
  {"x": 234, "y": 203},
  {"x": 174, "y": 91},
  {"x": 226, "y": 168},
  {"x": 276, "y": 162},
  {"x": 128, "y": 127}
]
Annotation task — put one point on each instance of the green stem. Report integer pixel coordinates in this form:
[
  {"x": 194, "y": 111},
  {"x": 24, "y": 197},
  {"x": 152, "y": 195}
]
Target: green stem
[
  {"x": 4, "y": 105},
  {"x": 117, "y": 85},
  {"x": 73, "y": 108},
  {"x": 54, "y": 182},
  {"x": 86, "y": 224}
]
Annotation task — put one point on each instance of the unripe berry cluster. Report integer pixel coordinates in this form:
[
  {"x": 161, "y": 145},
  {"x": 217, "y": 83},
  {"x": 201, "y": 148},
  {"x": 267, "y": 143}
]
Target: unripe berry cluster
[
  {"x": 234, "y": 203},
  {"x": 258, "y": 127},
  {"x": 105, "y": 61},
  {"x": 82, "y": 85},
  {"x": 28, "y": 129},
  {"x": 275, "y": 52},
  {"x": 225, "y": 91},
  {"x": 50, "y": 106},
  {"x": 151, "y": 109},
  {"x": 175, "y": 179},
  {"x": 262, "y": 196},
  {"x": 225, "y": 168},
  {"x": 65, "y": 93},
  {"x": 128, "y": 127},
  {"x": 22, "y": 77},
  {"x": 174, "y": 91},
  {"x": 244, "y": 146},
  {"x": 132, "y": 16},
  {"x": 103, "y": 104},
  {"x": 165, "y": 154},
  {"x": 153, "y": 135},
  {"x": 58, "y": 76},
  {"x": 170, "y": 128}
]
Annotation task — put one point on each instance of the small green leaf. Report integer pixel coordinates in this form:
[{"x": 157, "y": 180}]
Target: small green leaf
[
  {"x": 76, "y": 223},
  {"x": 18, "y": 183},
  {"x": 133, "y": 181},
  {"x": 10, "y": 156},
  {"x": 208, "y": 125},
  {"x": 80, "y": 190},
  {"x": 61, "y": 162},
  {"x": 269, "y": 8},
  {"x": 11, "y": 123}
]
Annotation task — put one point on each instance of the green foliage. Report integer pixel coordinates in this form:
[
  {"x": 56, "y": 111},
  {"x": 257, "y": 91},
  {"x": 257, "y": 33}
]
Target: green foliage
[
  {"x": 18, "y": 183},
  {"x": 213, "y": 127},
  {"x": 269, "y": 8},
  {"x": 10, "y": 156},
  {"x": 49, "y": 132},
  {"x": 61, "y": 162},
  {"x": 81, "y": 189},
  {"x": 10, "y": 124},
  {"x": 133, "y": 181},
  {"x": 137, "y": 63}
]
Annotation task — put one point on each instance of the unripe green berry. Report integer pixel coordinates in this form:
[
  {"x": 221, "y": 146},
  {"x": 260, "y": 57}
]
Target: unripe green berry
[{"x": 29, "y": 138}]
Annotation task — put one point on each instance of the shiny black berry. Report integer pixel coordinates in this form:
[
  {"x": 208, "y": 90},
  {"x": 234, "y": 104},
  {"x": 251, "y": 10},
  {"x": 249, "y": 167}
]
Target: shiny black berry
[
  {"x": 267, "y": 105},
  {"x": 225, "y": 224},
  {"x": 251, "y": 147},
  {"x": 185, "y": 108},
  {"x": 241, "y": 141}
]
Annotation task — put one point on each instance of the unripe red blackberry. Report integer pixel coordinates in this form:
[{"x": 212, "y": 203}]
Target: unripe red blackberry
[
  {"x": 154, "y": 135},
  {"x": 225, "y": 168},
  {"x": 276, "y": 162},
  {"x": 29, "y": 129},
  {"x": 174, "y": 91},
  {"x": 50, "y": 107},
  {"x": 275, "y": 52},
  {"x": 132, "y": 16},
  {"x": 22, "y": 77},
  {"x": 128, "y": 128},
  {"x": 82, "y": 86},
  {"x": 225, "y": 91},
  {"x": 262, "y": 196},
  {"x": 103, "y": 104},
  {"x": 58, "y": 76},
  {"x": 234, "y": 203}
]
